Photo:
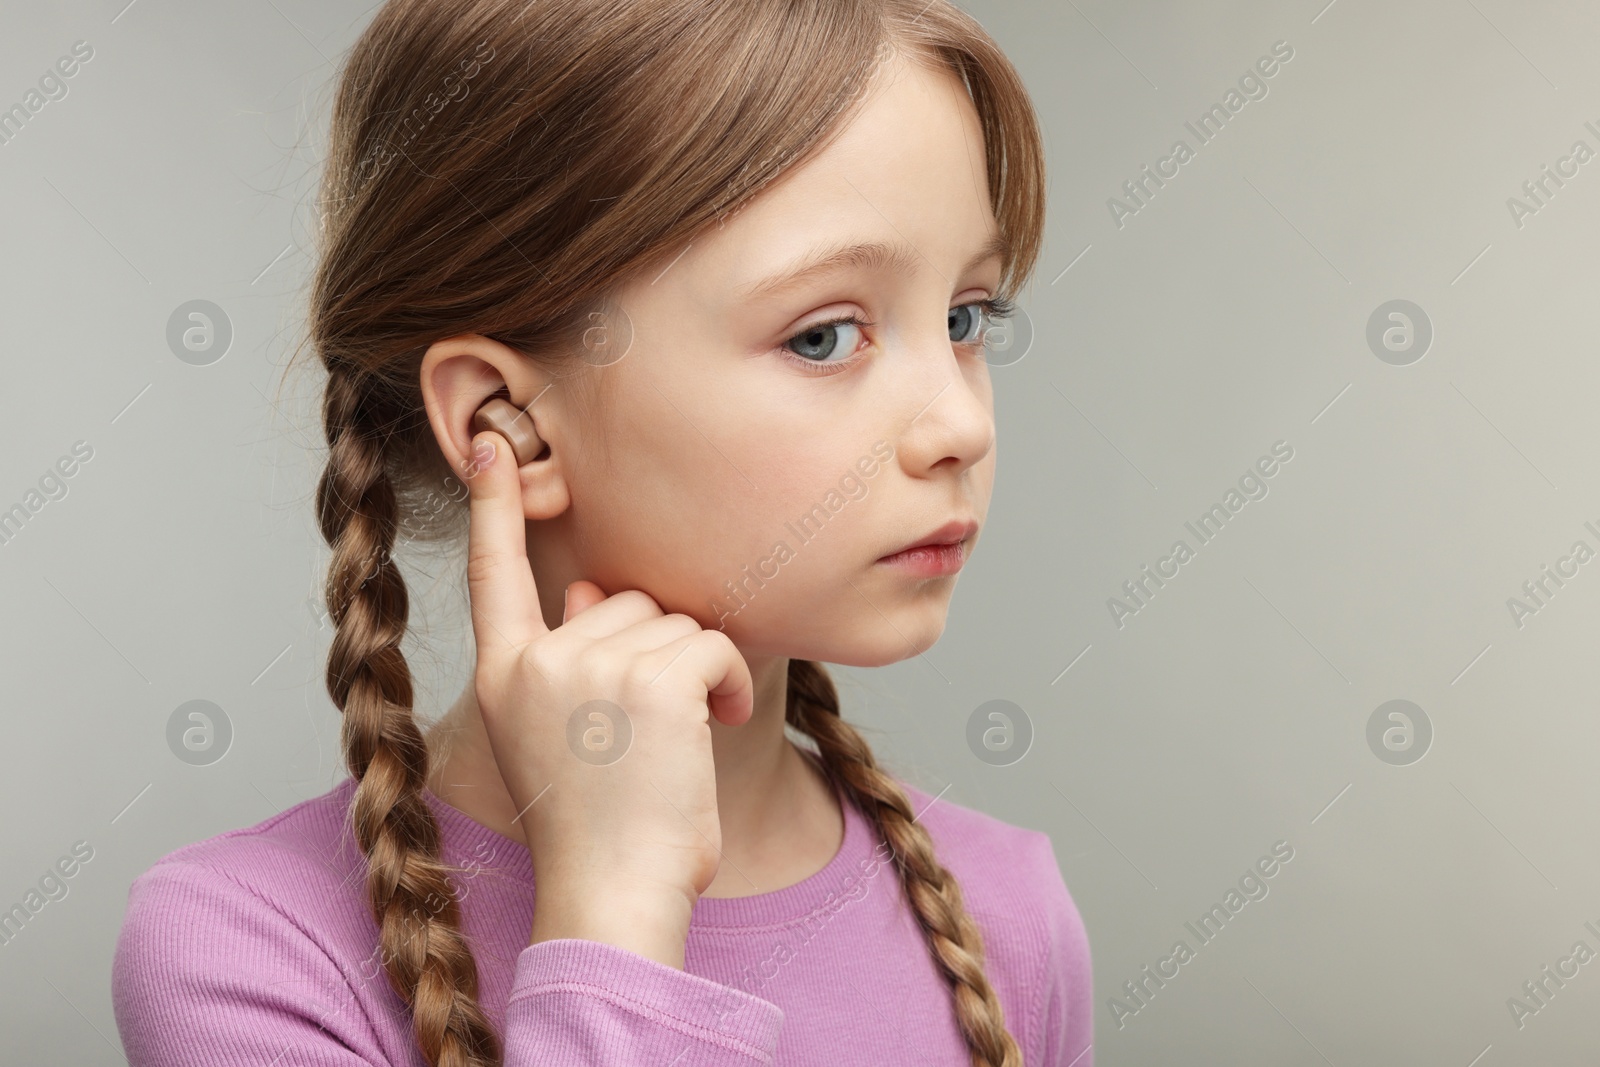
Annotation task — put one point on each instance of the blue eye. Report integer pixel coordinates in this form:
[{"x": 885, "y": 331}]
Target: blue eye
[
  {"x": 968, "y": 326},
  {"x": 817, "y": 344},
  {"x": 823, "y": 349}
]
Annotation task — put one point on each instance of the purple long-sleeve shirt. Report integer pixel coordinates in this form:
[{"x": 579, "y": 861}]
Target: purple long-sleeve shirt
[{"x": 256, "y": 947}]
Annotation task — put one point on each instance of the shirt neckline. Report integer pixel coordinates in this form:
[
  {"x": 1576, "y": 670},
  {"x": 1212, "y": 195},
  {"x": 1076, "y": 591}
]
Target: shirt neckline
[{"x": 789, "y": 904}]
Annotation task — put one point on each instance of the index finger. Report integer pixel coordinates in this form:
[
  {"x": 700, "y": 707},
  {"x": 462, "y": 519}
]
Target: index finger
[{"x": 501, "y": 589}]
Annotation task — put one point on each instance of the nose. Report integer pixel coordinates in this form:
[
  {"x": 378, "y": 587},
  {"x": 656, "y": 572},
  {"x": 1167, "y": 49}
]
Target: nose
[{"x": 949, "y": 413}]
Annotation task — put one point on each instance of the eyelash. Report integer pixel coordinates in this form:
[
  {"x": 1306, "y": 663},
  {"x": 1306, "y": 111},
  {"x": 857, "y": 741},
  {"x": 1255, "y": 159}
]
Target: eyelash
[{"x": 994, "y": 309}]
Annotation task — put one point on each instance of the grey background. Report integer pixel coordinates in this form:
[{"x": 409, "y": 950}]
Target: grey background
[{"x": 1228, "y": 314}]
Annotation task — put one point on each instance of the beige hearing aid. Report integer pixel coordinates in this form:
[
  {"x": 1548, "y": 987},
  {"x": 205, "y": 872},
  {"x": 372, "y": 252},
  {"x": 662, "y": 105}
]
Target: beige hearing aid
[{"x": 512, "y": 423}]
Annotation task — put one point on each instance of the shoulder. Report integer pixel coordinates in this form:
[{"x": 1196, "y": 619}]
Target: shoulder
[
  {"x": 1002, "y": 868},
  {"x": 302, "y": 863},
  {"x": 246, "y": 938},
  {"x": 1034, "y": 936},
  {"x": 972, "y": 834},
  {"x": 307, "y": 841}
]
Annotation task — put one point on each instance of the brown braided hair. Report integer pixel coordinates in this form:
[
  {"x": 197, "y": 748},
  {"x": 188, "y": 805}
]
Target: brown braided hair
[
  {"x": 932, "y": 891},
  {"x": 501, "y": 167}
]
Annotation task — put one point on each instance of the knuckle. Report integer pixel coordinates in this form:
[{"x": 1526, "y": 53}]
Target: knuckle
[
  {"x": 640, "y": 673},
  {"x": 587, "y": 659},
  {"x": 639, "y": 598},
  {"x": 716, "y": 639},
  {"x": 543, "y": 657},
  {"x": 604, "y": 668},
  {"x": 481, "y": 566}
]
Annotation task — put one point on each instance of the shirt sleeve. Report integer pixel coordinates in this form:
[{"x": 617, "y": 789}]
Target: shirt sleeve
[
  {"x": 588, "y": 1002},
  {"x": 207, "y": 972},
  {"x": 1068, "y": 979}
]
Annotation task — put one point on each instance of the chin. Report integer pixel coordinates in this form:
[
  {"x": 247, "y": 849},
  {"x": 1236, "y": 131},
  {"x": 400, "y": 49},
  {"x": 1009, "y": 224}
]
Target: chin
[
  {"x": 872, "y": 642},
  {"x": 844, "y": 628}
]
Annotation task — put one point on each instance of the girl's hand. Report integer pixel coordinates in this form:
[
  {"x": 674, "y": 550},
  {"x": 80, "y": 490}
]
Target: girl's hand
[{"x": 623, "y": 839}]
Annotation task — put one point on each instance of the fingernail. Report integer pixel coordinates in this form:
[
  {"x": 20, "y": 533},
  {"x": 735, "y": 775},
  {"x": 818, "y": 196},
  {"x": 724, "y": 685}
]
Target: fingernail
[
  {"x": 566, "y": 598},
  {"x": 483, "y": 453}
]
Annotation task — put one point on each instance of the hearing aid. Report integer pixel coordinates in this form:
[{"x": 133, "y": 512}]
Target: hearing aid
[{"x": 512, "y": 423}]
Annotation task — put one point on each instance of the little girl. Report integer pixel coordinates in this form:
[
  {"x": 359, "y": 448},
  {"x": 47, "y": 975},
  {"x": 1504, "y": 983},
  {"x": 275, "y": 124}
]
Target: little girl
[{"x": 699, "y": 249}]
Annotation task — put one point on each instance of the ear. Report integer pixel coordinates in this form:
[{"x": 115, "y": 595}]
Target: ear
[{"x": 459, "y": 374}]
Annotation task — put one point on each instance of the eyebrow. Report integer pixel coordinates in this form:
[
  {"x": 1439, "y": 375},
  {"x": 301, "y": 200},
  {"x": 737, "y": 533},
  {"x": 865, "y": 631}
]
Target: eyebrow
[{"x": 898, "y": 257}]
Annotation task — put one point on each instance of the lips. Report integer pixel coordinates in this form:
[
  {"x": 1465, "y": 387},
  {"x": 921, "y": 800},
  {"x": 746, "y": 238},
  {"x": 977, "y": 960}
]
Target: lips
[{"x": 952, "y": 532}]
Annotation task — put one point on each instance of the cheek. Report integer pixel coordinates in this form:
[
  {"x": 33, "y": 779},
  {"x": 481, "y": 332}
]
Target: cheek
[
  {"x": 680, "y": 512},
  {"x": 769, "y": 531}
]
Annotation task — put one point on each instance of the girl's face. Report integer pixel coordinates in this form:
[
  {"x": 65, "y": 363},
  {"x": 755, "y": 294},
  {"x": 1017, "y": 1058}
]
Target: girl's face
[{"x": 749, "y": 467}]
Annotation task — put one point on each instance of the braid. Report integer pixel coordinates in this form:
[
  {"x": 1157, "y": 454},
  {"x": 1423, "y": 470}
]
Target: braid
[
  {"x": 428, "y": 962},
  {"x": 952, "y": 936}
]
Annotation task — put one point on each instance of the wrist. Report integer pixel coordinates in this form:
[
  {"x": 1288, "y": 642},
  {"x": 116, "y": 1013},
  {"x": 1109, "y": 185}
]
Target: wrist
[{"x": 652, "y": 922}]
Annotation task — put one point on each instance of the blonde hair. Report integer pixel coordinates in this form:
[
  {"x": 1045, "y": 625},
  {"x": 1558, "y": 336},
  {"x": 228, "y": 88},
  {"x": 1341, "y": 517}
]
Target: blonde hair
[{"x": 501, "y": 167}]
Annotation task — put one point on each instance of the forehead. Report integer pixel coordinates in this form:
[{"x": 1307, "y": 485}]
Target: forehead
[{"x": 907, "y": 168}]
